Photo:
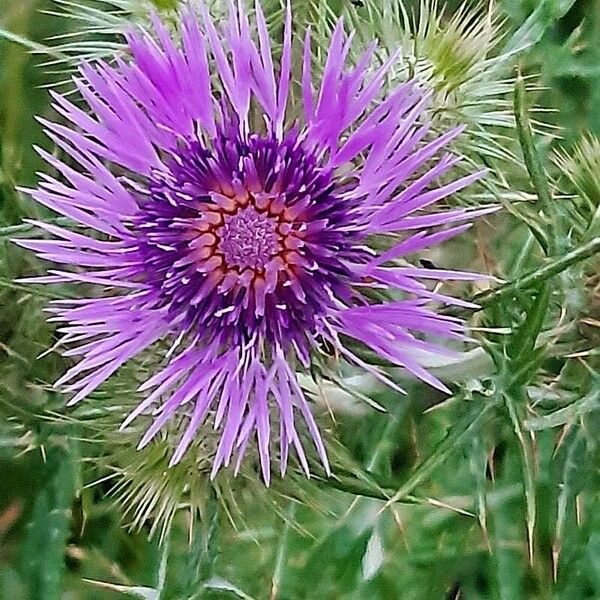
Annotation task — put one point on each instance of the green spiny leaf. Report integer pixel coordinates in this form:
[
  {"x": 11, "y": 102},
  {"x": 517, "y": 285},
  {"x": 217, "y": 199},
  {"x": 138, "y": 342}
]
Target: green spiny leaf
[
  {"x": 535, "y": 278},
  {"x": 527, "y": 456},
  {"x": 459, "y": 433},
  {"x": 48, "y": 528},
  {"x": 567, "y": 415}
]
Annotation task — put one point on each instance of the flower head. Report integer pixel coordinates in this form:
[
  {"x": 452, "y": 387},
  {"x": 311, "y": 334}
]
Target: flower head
[{"x": 240, "y": 232}]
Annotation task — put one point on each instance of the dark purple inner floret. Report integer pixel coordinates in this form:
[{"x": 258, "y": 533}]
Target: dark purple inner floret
[{"x": 247, "y": 237}]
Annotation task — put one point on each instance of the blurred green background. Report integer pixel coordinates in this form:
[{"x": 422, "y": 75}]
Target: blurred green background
[{"x": 499, "y": 503}]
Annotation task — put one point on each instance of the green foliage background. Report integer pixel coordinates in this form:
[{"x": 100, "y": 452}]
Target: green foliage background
[{"x": 492, "y": 493}]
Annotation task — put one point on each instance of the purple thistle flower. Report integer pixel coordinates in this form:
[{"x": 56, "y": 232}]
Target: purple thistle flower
[{"x": 239, "y": 236}]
